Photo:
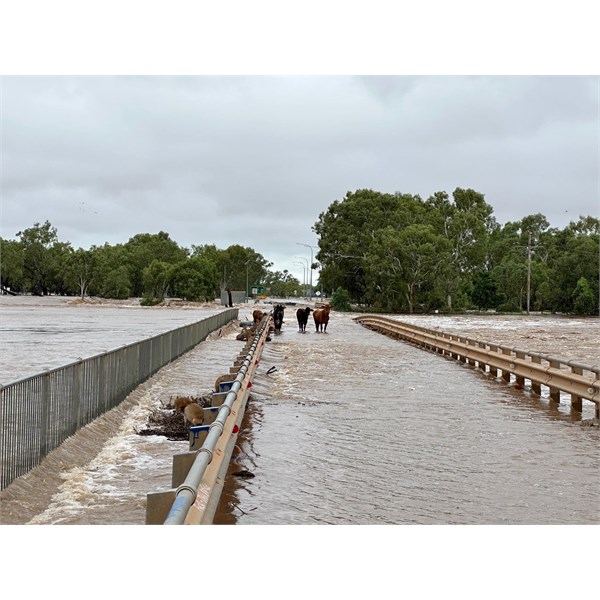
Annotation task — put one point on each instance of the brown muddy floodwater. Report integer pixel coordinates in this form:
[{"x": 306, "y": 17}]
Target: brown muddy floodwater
[{"x": 352, "y": 428}]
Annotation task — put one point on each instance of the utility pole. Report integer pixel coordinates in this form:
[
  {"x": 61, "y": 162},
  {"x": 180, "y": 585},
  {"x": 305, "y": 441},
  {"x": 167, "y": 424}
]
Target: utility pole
[{"x": 528, "y": 271}]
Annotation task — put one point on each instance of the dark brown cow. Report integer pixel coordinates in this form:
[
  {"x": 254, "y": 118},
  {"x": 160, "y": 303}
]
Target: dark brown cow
[{"x": 302, "y": 315}]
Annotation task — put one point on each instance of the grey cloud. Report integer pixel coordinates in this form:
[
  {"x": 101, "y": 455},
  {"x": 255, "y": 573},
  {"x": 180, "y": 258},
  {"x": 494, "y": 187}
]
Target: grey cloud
[{"x": 254, "y": 160}]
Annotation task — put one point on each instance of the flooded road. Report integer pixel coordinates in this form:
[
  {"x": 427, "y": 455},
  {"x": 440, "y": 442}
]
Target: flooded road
[
  {"x": 352, "y": 428},
  {"x": 357, "y": 428}
]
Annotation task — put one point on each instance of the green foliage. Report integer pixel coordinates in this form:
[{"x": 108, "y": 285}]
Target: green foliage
[
  {"x": 282, "y": 284},
  {"x": 12, "y": 274},
  {"x": 155, "y": 279},
  {"x": 389, "y": 252},
  {"x": 117, "y": 284},
  {"x": 484, "y": 294},
  {"x": 583, "y": 298},
  {"x": 340, "y": 300},
  {"x": 194, "y": 279},
  {"x": 144, "y": 248}
]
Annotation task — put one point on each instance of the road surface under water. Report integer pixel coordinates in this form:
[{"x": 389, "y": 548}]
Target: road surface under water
[{"x": 352, "y": 428}]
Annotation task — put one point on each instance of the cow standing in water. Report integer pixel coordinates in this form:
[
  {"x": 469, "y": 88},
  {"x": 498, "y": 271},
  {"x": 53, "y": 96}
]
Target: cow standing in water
[
  {"x": 321, "y": 317},
  {"x": 278, "y": 317},
  {"x": 302, "y": 316}
]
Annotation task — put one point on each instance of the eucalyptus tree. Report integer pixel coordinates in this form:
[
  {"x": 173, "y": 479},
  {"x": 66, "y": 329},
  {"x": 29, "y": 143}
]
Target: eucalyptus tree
[
  {"x": 347, "y": 229},
  {"x": 194, "y": 279},
  {"x": 466, "y": 221},
  {"x": 282, "y": 284},
  {"x": 12, "y": 275},
  {"x": 237, "y": 265},
  {"x": 143, "y": 248},
  {"x": 38, "y": 267},
  {"x": 79, "y": 270},
  {"x": 403, "y": 263},
  {"x": 155, "y": 279}
]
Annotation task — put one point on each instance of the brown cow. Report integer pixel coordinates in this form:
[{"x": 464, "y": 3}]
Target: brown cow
[
  {"x": 193, "y": 414},
  {"x": 192, "y": 411},
  {"x": 321, "y": 317}
]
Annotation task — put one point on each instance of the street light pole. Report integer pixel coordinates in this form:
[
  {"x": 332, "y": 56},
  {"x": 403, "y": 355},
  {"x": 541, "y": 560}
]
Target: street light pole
[
  {"x": 311, "y": 261},
  {"x": 247, "y": 263},
  {"x": 306, "y": 279},
  {"x": 303, "y": 276}
]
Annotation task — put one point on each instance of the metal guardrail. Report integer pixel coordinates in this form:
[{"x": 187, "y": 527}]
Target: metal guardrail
[
  {"x": 40, "y": 412},
  {"x": 202, "y": 473},
  {"x": 579, "y": 380}
]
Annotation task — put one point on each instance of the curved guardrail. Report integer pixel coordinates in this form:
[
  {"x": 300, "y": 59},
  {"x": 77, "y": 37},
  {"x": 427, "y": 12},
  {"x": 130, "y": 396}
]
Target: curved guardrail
[
  {"x": 195, "y": 500},
  {"x": 579, "y": 380}
]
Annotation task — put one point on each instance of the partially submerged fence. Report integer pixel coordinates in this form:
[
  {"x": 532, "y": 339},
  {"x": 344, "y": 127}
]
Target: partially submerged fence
[
  {"x": 40, "y": 412},
  {"x": 578, "y": 380},
  {"x": 198, "y": 475}
]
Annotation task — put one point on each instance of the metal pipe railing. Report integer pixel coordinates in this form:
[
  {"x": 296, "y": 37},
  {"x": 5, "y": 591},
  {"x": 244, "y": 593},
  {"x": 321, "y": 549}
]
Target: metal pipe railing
[{"x": 186, "y": 493}]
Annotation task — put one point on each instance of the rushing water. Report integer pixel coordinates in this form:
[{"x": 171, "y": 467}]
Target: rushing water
[{"x": 352, "y": 428}]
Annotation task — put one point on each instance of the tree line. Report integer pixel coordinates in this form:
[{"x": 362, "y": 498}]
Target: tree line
[
  {"x": 399, "y": 253},
  {"x": 387, "y": 252},
  {"x": 148, "y": 266}
]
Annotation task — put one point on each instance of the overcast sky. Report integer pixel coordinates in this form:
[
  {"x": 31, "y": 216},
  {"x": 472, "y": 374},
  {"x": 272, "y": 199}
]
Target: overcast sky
[{"x": 255, "y": 160}]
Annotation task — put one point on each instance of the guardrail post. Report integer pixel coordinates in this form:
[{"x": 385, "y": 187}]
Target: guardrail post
[
  {"x": 554, "y": 392},
  {"x": 520, "y": 378},
  {"x": 462, "y": 357},
  {"x": 481, "y": 363},
  {"x": 536, "y": 388},
  {"x": 506, "y": 373},
  {"x": 576, "y": 401},
  {"x": 493, "y": 370}
]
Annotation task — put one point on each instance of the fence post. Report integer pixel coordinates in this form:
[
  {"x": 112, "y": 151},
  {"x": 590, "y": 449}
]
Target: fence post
[{"x": 45, "y": 414}]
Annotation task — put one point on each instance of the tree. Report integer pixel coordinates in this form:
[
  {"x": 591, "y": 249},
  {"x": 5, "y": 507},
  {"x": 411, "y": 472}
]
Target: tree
[
  {"x": 347, "y": 229},
  {"x": 37, "y": 261},
  {"x": 402, "y": 263},
  {"x": 155, "y": 279},
  {"x": 12, "y": 275},
  {"x": 484, "y": 294},
  {"x": 340, "y": 300},
  {"x": 143, "y": 248},
  {"x": 117, "y": 284},
  {"x": 194, "y": 279},
  {"x": 583, "y": 298},
  {"x": 282, "y": 284},
  {"x": 80, "y": 270}
]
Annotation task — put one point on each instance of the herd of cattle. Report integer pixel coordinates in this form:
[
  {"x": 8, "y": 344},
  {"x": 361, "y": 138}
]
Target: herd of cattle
[
  {"x": 193, "y": 413},
  {"x": 320, "y": 316}
]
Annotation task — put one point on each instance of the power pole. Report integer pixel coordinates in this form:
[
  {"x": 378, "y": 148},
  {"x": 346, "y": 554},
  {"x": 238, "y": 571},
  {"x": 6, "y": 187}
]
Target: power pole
[{"x": 528, "y": 271}]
